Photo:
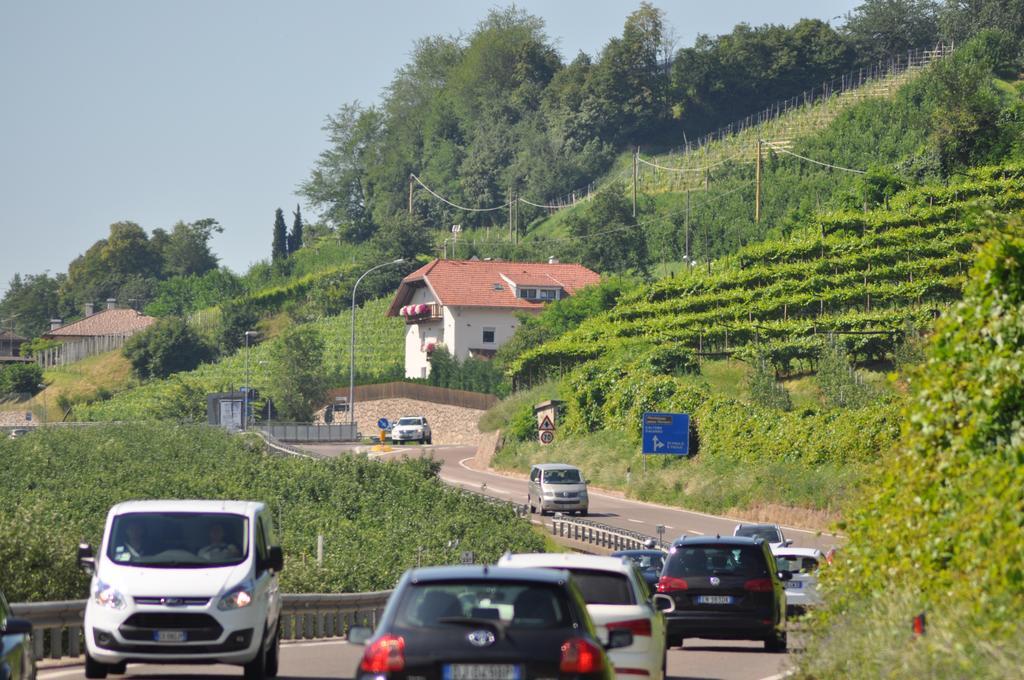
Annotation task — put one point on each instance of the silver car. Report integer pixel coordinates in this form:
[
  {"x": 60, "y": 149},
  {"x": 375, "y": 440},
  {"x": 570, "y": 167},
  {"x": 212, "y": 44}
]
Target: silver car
[
  {"x": 802, "y": 589},
  {"x": 557, "y": 487}
]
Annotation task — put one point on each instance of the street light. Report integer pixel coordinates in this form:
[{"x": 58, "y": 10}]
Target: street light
[
  {"x": 352, "y": 346},
  {"x": 245, "y": 395}
]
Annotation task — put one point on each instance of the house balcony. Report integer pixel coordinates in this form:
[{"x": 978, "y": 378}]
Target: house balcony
[{"x": 423, "y": 312}]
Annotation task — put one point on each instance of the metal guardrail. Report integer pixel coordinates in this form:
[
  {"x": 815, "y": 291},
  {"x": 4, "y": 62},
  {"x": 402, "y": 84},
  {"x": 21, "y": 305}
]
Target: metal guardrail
[
  {"x": 602, "y": 535},
  {"x": 308, "y": 432},
  {"x": 57, "y": 626}
]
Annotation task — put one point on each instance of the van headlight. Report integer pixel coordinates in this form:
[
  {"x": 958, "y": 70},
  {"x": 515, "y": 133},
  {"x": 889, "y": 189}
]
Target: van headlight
[
  {"x": 238, "y": 597},
  {"x": 105, "y": 595},
  {"x": 549, "y": 494}
]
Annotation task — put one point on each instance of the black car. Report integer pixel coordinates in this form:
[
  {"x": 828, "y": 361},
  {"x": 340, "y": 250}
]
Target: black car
[
  {"x": 725, "y": 588},
  {"x": 494, "y": 623},
  {"x": 649, "y": 562},
  {"x": 16, "y": 659}
]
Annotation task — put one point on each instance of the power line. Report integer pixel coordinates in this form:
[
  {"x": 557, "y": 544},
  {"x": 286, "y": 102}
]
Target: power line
[
  {"x": 702, "y": 168},
  {"x": 773, "y": 147},
  {"x": 455, "y": 205}
]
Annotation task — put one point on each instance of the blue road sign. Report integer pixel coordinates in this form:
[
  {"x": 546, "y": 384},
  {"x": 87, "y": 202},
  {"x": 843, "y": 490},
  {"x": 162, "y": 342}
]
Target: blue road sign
[
  {"x": 666, "y": 433},
  {"x": 383, "y": 424}
]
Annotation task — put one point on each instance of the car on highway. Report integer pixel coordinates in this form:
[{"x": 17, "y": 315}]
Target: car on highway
[
  {"x": 725, "y": 588},
  {"x": 649, "y": 562},
  {"x": 769, "y": 532},
  {"x": 557, "y": 487},
  {"x": 469, "y": 622},
  {"x": 184, "y": 581},
  {"x": 411, "y": 428},
  {"x": 17, "y": 660},
  {"x": 802, "y": 588},
  {"x": 617, "y": 598}
]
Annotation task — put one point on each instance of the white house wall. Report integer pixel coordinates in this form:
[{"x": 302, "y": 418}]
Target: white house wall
[
  {"x": 464, "y": 328},
  {"x": 416, "y": 336}
]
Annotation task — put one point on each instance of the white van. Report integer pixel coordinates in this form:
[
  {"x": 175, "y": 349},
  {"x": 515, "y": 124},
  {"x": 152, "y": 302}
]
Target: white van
[
  {"x": 557, "y": 487},
  {"x": 184, "y": 582}
]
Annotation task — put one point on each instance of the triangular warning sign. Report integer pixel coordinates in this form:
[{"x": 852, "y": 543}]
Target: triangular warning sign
[{"x": 546, "y": 424}]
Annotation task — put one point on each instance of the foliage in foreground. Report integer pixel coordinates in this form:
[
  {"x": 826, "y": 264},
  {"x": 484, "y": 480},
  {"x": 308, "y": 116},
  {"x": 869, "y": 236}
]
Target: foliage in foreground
[
  {"x": 377, "y": 518},
  {"x": 940, "y": 533}
]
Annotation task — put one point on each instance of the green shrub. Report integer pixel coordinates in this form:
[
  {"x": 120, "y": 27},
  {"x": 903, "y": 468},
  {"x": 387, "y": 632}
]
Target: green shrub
[
  {"x": 20, "y": 379},
  {"x": 168, "y": 346}
]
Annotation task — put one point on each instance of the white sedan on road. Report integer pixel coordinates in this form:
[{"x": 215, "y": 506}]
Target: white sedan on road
[
  {"x": 411, "y": 428},
  {"x": 617, "y": 598},
  {"x": 802, "y": 563}
]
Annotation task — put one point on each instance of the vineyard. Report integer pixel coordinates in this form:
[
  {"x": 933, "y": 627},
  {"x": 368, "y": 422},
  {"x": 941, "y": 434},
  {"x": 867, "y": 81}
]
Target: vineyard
[
  {"x": 377, "y": 519},
  {"x": 855, "y": 278},
  {"x": 379, "y": 356}
]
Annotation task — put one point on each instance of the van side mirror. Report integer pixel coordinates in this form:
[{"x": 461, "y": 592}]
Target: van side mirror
[
  {"x": 663, "y": 603},
  {"x": 619, "y": 638},
  {"x": 86, "y": 559},
  {"x": 13, "y": 626},
  {"x": 275, "y": 559},
  {"x": 786, "y": 575}
]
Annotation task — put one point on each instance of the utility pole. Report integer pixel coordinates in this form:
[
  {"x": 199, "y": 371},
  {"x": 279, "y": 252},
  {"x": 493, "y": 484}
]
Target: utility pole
[
  {"x": 757, "y": 185},
  {"x": 510, "y": 214},
  {"x": 707, "y": 243},
  {"x": 410, "y": 193},
  {"x": 636, "y": 155}
]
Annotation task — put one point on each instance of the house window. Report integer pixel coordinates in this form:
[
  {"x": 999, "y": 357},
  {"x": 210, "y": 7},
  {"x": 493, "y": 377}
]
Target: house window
[
  {"x": 528, "y": 293},
  {"x": 489, "y": 335},
  {"x": 548, "y": 294}
]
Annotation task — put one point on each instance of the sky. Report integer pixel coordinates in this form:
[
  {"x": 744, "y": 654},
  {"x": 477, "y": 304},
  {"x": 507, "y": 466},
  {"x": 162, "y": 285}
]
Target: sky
[{"x": 160, "y": 111}]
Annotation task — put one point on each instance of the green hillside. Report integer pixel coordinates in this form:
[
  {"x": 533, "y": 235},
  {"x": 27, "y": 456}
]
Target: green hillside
[{"x": 379, "y": 356}]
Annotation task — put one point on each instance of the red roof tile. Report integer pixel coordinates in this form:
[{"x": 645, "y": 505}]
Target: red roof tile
[
  {"x": 107, "y": 322},
  {"x": 477, "y": 283}
]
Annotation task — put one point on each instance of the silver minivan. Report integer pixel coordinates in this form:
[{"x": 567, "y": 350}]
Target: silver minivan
[{"x": 557, "y": 487}]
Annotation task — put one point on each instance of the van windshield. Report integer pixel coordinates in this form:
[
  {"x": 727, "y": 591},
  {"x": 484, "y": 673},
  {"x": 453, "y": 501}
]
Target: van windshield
[
  {"x": 562, "y": 476},
  {"x": 178, "y": 539}
]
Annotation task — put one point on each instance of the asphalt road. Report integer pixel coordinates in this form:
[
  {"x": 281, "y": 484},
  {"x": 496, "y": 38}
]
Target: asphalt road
[
  {"x": 334, "y": 659},
  {"x": 605, "y": 508}
]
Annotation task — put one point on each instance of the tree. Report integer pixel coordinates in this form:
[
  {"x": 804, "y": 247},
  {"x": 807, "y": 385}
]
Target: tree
[
  {"x": 29, "y": 303},
  {"x": 961, "y": 19},
  {"x": 295, "y": 238},
  {"x": 107, "y": 264},
  {"x": 187, "y": 250},
  {"x": 279, "y": 247},
  {"x": 881, "y": 29},
  {"x": 236, "y": 317},
  {"x": 168, "y": 346},
  {"x": 20, "y": 379},
  {"x": 297, "y": 378},
  {"x": 606, "y": 238}
]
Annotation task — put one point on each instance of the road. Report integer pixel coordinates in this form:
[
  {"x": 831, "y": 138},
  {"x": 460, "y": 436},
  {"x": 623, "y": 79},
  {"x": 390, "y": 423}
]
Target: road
[
  {"x": 334, "y": 659},
  {"x": 605, "y": 508}
]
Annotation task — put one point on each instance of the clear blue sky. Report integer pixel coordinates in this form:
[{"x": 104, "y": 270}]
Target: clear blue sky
[{"x": 160, "y": 111}]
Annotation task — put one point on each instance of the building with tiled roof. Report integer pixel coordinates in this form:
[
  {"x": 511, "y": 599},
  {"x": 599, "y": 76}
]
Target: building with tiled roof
[
  {"x": 10, "y": 347},
  {"x": 469, "y": 306},
  {"x": 110, "y": 321}
]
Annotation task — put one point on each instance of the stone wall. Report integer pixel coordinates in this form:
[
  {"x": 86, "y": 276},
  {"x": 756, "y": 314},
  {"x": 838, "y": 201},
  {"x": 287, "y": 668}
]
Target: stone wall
[{"x": 449, "y": 424}]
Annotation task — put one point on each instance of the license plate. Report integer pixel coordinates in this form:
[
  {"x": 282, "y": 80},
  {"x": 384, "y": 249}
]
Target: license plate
[
  {"x": 480, "y": 671},
  {"x": 714, "y": 599},
  {"x": 169, "y": 636},
  {"x": 794, "y": 584}
]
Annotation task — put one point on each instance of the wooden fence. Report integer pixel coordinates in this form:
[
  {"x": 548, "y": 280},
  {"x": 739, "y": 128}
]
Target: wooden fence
[
  {"x": 418, "y": 392},
  {"x": 75, "y": 350}
]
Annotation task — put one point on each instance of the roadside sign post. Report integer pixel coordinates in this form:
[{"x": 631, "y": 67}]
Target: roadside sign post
[
  {"x": 384, "y": 426},
  {"x": 665, "y": 434}
]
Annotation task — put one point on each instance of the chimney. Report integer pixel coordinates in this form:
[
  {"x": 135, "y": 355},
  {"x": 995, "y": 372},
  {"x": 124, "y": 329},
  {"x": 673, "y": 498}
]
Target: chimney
[
  {"x": 552, "y": 260},
  {"x": 111, "y": 303},
  {"x": 89, "y": 308},
  {"x": 56, "y": 323}
]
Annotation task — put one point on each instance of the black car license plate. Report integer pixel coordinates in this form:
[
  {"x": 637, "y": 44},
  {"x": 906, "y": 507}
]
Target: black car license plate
[
  {"x": 714, "y": 599},
  {"x": 481, "y": 671}
]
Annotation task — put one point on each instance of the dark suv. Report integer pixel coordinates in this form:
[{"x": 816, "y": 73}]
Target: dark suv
[
  {"x": 725, "y": 588},
  {"x": 468, "y": 622}
]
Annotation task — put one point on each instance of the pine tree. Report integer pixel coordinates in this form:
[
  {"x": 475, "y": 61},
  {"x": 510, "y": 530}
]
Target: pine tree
[
  {"x": 279, "y": 249},
  {"x": 295, "y": 238}
]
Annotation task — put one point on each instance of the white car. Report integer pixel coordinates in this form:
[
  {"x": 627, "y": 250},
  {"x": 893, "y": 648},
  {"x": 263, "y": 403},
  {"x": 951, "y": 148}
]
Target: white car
[
  {"x": 184, "y": 582},
  {"x": 772, "y": 533},
  {"x": 802, "y": 563},
  {"x": 617, "y": 598},
  {"x": 411, "y": 428}
]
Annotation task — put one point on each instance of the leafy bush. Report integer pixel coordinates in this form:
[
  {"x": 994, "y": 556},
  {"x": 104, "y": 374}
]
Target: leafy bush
[
  {"x": 168, "y": 346},
  {"x": 943, "y": 515},
  {"x": 297, "y": 378},
  {"x": 765, "y": 391},
  {"x": 838, "y": 379},
  {"x": 20, "y": 379},
  {"x": 58, "y": 484},
  {"x": 475, "y": 375}
]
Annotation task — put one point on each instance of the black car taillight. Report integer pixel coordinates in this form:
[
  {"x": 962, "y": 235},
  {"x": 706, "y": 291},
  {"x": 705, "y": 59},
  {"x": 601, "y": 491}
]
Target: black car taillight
[
  {"x": 668, "y": 584},
  {"x": 580, "y": 656},
  {"x": 759, "y": 585},
  {"x": 386, "y": 655}
]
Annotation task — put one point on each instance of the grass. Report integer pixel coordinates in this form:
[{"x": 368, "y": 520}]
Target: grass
[
  {"x": 83, "y": 380},
  {"x": 502, "y": 412}
]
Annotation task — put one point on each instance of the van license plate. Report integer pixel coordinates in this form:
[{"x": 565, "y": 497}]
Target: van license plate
[
  {"x": 480, "y": 671},
  {"x": 169, "y": 636},
  {"x": 714, "y": 599}
]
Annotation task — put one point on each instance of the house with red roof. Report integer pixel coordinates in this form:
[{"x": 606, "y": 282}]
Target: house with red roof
[{"x": 470, "y": 306}]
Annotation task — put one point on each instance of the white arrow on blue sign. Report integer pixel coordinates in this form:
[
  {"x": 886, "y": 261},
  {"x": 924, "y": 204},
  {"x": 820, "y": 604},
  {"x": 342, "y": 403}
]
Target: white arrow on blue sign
[{"x": 666, "y": 433}]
